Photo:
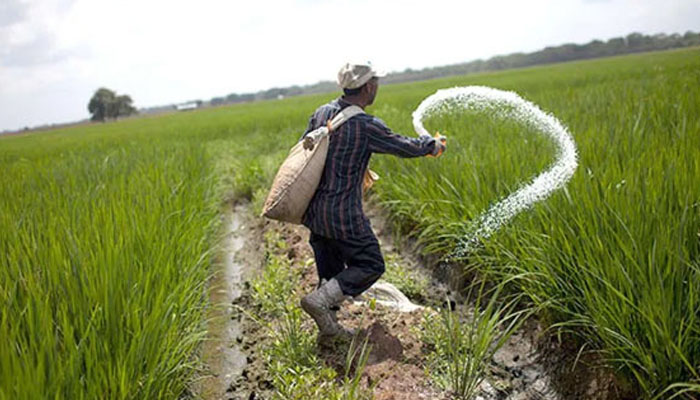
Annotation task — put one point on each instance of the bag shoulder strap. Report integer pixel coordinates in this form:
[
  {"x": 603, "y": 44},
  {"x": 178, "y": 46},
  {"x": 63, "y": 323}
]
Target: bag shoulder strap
[{"x": 344, "y": 115}]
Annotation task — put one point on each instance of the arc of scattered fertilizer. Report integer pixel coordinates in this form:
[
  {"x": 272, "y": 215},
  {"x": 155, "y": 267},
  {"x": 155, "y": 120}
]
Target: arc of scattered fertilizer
[{"x": 505, "y": 105}]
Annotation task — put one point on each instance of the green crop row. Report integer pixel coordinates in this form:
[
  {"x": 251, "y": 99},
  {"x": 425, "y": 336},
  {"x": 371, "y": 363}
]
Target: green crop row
[
  {"x": 107, "y": 234},
  {"x": 615, "y": 256}
]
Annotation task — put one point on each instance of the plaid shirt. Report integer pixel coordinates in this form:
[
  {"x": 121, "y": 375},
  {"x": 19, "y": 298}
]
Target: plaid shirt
[{"x": 335, "y": 211}]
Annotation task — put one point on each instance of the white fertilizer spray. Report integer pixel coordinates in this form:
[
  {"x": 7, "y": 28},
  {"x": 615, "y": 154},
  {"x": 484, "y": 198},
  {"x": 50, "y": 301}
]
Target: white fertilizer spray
[{"x": 505, "y": 105}]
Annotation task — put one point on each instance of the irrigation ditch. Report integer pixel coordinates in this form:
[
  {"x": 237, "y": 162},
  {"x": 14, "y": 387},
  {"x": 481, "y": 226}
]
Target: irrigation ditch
[
  {"x": 261, "y": 346},
  {"x": 223, "y": 355}
]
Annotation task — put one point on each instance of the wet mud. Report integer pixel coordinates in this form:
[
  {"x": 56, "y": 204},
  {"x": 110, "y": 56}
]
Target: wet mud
[{"x": 224, "y": 354}]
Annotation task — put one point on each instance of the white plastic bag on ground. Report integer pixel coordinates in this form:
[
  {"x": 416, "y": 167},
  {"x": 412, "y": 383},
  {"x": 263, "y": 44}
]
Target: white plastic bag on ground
[{"x": 388, "y": 295}]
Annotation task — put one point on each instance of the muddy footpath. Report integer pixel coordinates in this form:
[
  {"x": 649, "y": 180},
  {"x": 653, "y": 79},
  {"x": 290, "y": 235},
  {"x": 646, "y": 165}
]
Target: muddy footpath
[{"x": 531, "y": 365}]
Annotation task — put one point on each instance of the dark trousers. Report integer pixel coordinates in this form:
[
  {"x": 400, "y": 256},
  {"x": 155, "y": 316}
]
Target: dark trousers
[{"x": 355, "y": 263}]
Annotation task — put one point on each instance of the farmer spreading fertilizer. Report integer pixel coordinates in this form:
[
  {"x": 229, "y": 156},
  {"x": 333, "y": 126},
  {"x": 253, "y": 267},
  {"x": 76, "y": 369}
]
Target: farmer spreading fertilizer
[{"x": 348, "y": 258}]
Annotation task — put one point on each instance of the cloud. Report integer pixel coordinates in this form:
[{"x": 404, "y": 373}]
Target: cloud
[
  {"x": 39, "y": 50},
  {"x": 12, "y": 12},
  {"x": 28, "y": 32}
]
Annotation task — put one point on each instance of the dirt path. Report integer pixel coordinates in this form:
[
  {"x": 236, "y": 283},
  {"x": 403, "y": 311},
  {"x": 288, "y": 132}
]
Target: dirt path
[
  {"x": 517, "y": 372},
  {"x": 522, "y": 369}
]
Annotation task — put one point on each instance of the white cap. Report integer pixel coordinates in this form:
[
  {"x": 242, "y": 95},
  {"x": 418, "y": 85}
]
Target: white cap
[{"x": 353, "y": 76}]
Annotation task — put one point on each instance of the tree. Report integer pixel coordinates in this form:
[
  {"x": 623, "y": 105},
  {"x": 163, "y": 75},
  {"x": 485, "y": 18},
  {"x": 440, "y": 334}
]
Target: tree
[
  {"x": 124, "y": 106},
  {"x": 106, "y": 104},
  {"x": 100, "y": 103},
  {"x": 217, "y": 101}
]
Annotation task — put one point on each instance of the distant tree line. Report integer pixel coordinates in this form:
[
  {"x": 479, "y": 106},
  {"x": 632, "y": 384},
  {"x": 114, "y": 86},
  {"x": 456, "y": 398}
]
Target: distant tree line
[
  {"x": 274, "y": 93},
  {"x": 632, "y": 43},
  {"x": 105, "y": 104}
]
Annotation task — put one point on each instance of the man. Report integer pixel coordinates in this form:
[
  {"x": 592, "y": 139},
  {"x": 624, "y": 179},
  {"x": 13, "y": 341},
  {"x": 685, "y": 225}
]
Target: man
[{"x": 348, "y": 258}]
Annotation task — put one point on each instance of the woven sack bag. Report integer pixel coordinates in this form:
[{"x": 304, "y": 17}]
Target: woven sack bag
[{"x": 298, "y": 177}]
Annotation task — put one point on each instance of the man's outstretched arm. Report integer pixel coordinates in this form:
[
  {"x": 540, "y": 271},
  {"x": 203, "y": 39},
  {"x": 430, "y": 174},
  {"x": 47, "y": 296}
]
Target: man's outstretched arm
[{"x": 383, "y": 140}]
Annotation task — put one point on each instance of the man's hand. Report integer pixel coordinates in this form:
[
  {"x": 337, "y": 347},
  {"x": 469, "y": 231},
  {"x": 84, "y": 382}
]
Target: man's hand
[
  {"x": 308, "y": 143},
  {"x": 316, "y": 135},
  {"x": 440, "y": 145}
]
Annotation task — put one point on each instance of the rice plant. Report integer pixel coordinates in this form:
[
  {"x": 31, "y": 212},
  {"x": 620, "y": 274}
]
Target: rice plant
[
  {"x": 463, "y": 345},
  {"x": 615, "y": 254}
]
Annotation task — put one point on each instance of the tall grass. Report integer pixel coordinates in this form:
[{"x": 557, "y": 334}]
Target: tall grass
[
  {"x": 106, "y": 236},
  {"x": 616, "y": 255},
  {"x": 104, "y": 257}
]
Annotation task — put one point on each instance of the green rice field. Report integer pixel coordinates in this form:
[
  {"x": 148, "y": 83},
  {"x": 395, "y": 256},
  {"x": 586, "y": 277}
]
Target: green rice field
[{"x": 108, "y": 231}]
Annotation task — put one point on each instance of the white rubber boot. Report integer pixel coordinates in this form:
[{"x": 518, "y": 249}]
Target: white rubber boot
[{"x": 318, "y": 305}]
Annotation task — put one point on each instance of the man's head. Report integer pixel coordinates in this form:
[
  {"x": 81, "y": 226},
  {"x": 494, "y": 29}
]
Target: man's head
[{"x": 359, "y": 81}]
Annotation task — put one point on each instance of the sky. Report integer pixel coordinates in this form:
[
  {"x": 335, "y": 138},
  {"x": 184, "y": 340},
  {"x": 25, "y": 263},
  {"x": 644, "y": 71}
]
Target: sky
[{"x": 54, "y": 54}]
